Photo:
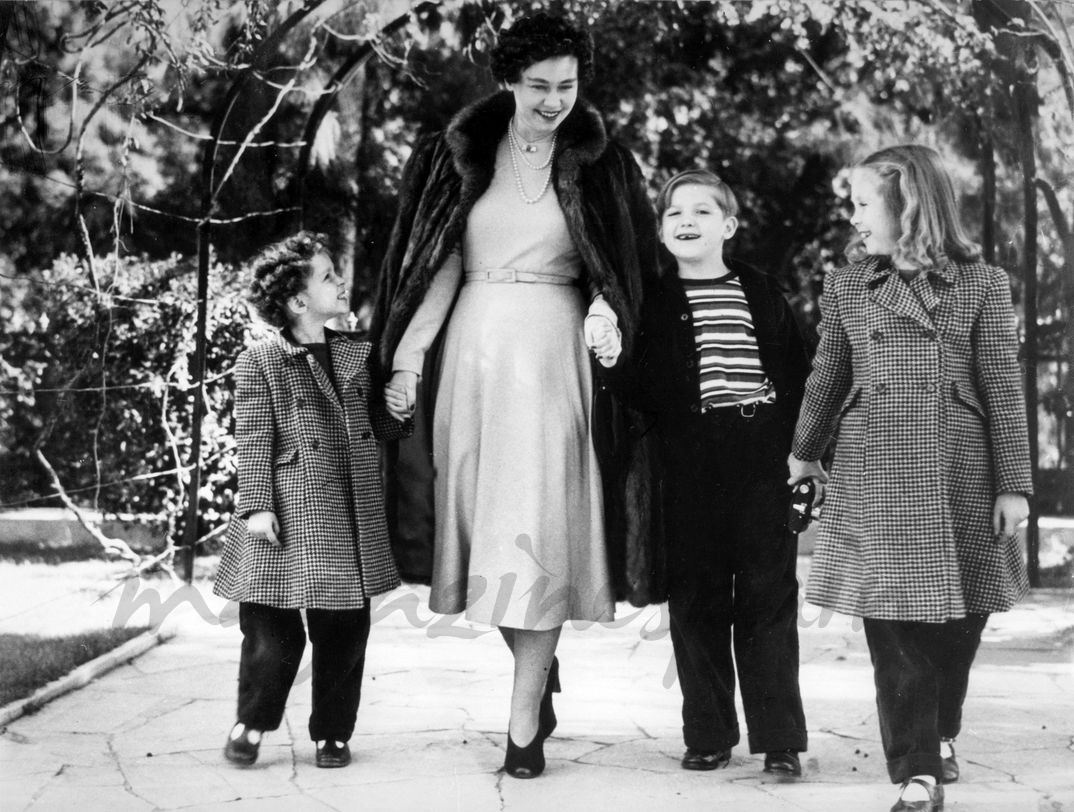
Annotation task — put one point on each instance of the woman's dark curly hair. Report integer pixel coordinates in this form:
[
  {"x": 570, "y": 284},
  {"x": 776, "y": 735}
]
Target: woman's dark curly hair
[
  {"x": 538, "y": 37},
  {"x": 280, "y": 271}
]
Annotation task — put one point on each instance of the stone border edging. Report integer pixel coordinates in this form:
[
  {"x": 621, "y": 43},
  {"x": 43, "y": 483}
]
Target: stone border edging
[{"x": 84, "y": 674}]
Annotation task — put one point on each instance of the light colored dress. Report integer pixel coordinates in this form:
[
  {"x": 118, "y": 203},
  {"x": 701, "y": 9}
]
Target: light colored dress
[{"x": 518, "y": 499}]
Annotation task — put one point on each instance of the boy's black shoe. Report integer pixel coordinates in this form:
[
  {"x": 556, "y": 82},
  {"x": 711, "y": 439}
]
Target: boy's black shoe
[
  {"x": 333, "y": 754},
  {"x": 705, "y": 760},
  {"x": 239, "y": 748},
  {"x": 783, "y": 763}
]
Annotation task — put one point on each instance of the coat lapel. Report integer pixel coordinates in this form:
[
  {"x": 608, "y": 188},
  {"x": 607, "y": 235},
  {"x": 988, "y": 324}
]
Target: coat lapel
[
  {"x": 348, "y": 358},
  {"x": 890, "y": 292},
  {"x": 342, "y": 364}
]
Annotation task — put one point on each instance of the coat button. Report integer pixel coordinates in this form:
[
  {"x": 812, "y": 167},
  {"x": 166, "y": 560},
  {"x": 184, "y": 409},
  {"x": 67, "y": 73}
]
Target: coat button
[
  {"x": 300, "y": 404},
  {"x": 361, "y": 392},
  {"x": 366, "y": 435},
  {"x": 877, "y": 336},
  {"x": 689, "y": 363},
  {"x": 315, "y": 445},
  {"x": 693, "y": 408},
  {"x": 685, "y": 317},
  {"x": 929, "y": 387},
  {"x": 880, "y": 387},
  {"x": 930, "y": 335}
]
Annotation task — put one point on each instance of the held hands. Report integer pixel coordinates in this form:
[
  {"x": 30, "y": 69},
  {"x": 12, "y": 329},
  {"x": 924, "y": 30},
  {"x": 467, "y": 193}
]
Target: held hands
[
  {"x": 603, "y": 339},
  {"x": 263, "y": 525},
  {"x": 1010, "y": 510},
  {"x": 800, "y": 469},
  {"x": 401, "y": 395}
]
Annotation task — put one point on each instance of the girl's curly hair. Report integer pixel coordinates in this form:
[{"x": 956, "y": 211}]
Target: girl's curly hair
[
  {"x": 280, "y": 271},
  {"x": 538, "y": 37}
]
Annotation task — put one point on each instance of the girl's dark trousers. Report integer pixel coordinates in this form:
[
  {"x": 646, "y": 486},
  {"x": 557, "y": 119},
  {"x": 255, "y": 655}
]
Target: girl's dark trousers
[
  {"x": 921, "y": 672},
  {"x": 732, "y": 581},
  {"x": 272, "y": 643}
]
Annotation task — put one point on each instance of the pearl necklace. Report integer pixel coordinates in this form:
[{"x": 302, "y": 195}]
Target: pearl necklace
[
  {"x": 527, "y": 146},
  {"x": 518, "y": 174},
  {"x": 517, "y": 142}
]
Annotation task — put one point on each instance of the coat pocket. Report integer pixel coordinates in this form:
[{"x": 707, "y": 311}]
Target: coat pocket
[
  {"x": 968, "y": 398},
  {"x": 288, "y": 456},
  {"x": 850, "y": 401}
]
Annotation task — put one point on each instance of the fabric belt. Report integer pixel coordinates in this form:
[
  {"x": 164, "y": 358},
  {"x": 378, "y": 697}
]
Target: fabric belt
[{"x": 510, "y": 275}]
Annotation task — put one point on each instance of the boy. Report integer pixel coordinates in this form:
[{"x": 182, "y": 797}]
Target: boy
[
  {"x": 309, "y": 530},
  {"x": 721, "y": 367}
]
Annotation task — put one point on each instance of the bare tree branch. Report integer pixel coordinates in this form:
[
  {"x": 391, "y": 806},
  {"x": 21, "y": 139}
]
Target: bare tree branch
[{"x": 116, "y": 548}]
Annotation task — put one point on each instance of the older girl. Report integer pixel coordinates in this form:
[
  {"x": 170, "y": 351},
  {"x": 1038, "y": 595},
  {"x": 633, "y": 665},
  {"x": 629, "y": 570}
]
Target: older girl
[{"x": 917, "y": 376}]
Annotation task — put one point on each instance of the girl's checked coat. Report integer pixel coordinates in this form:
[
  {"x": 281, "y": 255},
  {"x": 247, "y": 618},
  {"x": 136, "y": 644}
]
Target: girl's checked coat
[
  {"x": 310, "y": 455},
  {"x": 921, "y": 386}
]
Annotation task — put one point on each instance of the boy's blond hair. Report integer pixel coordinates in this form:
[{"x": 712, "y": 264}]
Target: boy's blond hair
[{"x": 725, "y": 198}]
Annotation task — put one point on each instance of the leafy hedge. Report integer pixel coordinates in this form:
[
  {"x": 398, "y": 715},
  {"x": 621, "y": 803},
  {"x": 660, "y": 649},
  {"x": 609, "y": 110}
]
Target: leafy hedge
[{"x": 100, "y": 382}]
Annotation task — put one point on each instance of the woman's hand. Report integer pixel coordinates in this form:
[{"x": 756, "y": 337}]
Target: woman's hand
[
  {"x": 263, "y": 525},
  {"x": 1010, "y": 510},
  {"x": 801, "y": 469},
  {"x": 603, "y": 339},
  {"x": 401, "y": 394}
]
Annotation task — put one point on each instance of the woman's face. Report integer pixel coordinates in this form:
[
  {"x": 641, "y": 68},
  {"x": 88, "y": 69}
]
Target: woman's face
[
  {"x": 545, "y": 94},
  {"x": 874, "y": 221}
]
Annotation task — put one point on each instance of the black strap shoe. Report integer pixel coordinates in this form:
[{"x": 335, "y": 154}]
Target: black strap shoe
[
  {"x": 949, "y": 765},
  {"x": 333, "y": 754},
  {"x": 933, "y": 804},
  {"x": 239, "y": 748},
  {"x": 704, "y": 759},
  {"x": 783, "y": 763}
]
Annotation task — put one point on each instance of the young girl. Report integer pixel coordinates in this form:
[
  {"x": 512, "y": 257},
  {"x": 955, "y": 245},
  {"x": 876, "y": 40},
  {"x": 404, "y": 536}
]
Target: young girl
[
  {"x": 720, "y": 367},
  {"x": 917, "y": 376},
  {"x": 309, "y": 530}
]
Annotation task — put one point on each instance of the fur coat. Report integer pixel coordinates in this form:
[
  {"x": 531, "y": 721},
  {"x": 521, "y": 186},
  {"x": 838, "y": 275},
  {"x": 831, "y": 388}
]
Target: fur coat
[{"x": 603, "y": 197}]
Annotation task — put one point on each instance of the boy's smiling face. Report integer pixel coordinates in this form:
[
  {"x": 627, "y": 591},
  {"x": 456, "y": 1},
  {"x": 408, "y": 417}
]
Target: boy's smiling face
[
  {"x": 326, "y": 294},
  {"x": 694, "y": 227}
]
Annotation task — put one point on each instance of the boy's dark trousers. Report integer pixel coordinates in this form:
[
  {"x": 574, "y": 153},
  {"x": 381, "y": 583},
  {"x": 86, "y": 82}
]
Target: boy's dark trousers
[
  {"x": 272, "y": 643},
  {"x": 732, "y": 578},
  {"x": 922, "y": 671}
]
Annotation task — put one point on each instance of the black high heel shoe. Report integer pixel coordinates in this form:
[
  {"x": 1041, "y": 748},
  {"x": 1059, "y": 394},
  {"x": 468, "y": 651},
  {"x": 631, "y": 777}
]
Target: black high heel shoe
[
  {"x": 524, "y": 762},
  {"x": 546, "y": 719}
]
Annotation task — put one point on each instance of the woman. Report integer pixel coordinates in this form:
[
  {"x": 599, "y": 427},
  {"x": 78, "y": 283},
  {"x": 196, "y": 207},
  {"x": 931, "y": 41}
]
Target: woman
[
  {"x": 917, "y": 373},
  {"x": 522, "y": 238}
]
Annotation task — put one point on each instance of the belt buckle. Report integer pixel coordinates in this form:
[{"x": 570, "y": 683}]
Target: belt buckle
[
  {"x": 503, "y": 275},
  {"x": 747, "y": 410}
]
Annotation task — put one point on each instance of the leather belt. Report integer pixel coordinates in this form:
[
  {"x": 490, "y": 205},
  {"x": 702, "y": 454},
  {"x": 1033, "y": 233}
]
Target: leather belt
[{"x": 510, "y": 276}]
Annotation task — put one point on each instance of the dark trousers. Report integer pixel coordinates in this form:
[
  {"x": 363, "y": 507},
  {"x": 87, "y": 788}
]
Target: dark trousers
[
  {"x": 272, "y": 643},
  {"x": 921, "y": 672},
  {"x": 732, "y": 581}
]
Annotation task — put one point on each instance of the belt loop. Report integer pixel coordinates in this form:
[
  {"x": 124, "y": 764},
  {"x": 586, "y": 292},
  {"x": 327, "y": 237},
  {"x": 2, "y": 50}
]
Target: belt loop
[{"x": 747, "y": 410}]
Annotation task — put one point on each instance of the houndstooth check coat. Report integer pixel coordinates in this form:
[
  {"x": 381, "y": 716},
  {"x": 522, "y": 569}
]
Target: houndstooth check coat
[
  {"x": 310, "y": 455},
  {"x": 919, "y": 386}
]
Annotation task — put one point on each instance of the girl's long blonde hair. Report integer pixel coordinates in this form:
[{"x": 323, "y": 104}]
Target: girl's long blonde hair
[{"x": 918, "y": 190}]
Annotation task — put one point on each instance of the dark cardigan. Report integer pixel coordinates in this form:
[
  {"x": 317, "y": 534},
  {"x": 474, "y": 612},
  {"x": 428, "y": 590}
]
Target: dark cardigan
[
  {"x": 664, "y": 378},
  {"x": 609, "y": 217}
]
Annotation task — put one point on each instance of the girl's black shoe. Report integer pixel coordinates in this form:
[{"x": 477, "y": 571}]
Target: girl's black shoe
[
  {"x": 546, "y": 719},
  {"x": 241, "y": 749},
  {"x": 524, "y": 762}
]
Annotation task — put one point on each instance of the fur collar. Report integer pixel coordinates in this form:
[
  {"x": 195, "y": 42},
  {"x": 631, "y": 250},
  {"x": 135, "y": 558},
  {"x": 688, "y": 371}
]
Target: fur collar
[{"x": 477, "y": 129}]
